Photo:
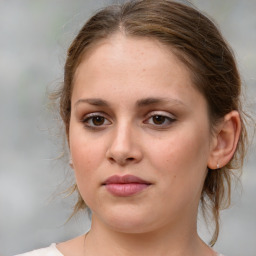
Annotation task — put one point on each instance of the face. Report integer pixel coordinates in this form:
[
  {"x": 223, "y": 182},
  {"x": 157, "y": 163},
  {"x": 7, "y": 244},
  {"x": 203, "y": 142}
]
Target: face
[{"x": 139, "y": 136}]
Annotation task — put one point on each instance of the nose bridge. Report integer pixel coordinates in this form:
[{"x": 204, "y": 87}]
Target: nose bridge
[
  {"x": 123, "y": 135},
  {"x": 124, "y": 145}
]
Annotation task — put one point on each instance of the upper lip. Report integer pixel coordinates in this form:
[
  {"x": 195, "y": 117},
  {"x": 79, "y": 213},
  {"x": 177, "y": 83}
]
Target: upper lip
[{"x": 126, "y": 179}]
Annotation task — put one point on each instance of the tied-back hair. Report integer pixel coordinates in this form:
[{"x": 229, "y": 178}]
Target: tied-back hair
[{"x": 196, "y": 41}]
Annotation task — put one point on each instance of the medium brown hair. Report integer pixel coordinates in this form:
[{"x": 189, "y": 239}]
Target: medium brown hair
[{"x": 198, "y": 43}]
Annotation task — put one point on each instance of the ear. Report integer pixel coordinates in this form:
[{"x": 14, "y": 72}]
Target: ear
[{"x": 225, "y": 141}]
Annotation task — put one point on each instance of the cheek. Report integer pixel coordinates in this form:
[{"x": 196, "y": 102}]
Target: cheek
[
  {"x": 182, "y": 159},
  {"x": 86, "y": 160},
  {"x": 182, "y": 168},
  {"x": 86, "y": 154}
]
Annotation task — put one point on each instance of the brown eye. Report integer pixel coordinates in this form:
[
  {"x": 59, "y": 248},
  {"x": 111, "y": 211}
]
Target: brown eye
[
  {"x": 94, "y": 120},
  {"x": 98, "y": 120},
  {"x": 157, "y": 119}
]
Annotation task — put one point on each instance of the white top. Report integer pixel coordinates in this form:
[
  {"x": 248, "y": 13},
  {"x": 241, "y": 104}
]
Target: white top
[
  {"x": 48, "y": 251},
  {"x": 51, "y": 251}
]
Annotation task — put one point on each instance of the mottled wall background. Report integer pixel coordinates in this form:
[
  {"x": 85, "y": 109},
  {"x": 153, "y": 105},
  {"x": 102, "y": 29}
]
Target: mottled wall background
[{"x": 34, "y": 35}]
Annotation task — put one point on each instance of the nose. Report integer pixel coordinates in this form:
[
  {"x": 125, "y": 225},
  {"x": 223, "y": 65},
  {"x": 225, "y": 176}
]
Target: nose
[{"x": 124, "y": 146}]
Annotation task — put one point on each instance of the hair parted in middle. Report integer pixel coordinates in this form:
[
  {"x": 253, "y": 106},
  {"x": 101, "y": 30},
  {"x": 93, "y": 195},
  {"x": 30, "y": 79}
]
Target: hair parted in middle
[{"x": 196, "y": 41}]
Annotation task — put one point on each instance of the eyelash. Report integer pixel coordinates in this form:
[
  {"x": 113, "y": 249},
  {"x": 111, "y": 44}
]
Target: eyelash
[
  {"x": 166, "y": 118},
  {"x": 88, "y": 119}
]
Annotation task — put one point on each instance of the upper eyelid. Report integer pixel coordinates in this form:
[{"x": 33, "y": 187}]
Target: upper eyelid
[
  {"x": 92, "y": 114},
  {"x": 161, "y": 113},
  {"x": 148, "y": 115},
  {"x": 86, "y": 119}
]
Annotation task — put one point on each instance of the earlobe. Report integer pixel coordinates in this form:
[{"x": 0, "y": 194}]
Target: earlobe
[
  {"x": 226, "y": 141},
  {"x": 71, "y": 163}
]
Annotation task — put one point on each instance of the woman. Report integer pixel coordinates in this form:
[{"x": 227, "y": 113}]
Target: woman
[{"x": 154, "y": 124}]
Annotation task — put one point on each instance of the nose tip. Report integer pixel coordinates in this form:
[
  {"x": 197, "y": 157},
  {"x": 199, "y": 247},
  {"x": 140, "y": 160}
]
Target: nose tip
[
  {"x": 124, "y": 148},
  {"x": 122, "y": 160}
]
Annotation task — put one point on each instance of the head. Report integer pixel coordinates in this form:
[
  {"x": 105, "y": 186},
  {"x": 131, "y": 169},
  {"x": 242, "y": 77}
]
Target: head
[{"x": 196, "y": 42}]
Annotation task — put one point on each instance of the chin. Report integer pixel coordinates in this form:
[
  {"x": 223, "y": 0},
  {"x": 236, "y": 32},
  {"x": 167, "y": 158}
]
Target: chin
[{"x": 128, "y": 221}]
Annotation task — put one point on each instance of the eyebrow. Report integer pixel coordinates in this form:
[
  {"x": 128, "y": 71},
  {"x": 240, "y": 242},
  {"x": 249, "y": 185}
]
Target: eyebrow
[
  {"x": 93, "y": 101},
  {"x": 154, "y": 101},
  {"x": 140, "y": 103}
]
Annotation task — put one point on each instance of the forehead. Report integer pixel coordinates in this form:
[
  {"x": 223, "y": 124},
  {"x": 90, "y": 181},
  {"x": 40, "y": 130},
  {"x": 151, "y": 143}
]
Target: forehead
[
  {"x": 122, "y": 64},
  {"x": 141, "y": 51},
  {"x": 136, "y": 49}
]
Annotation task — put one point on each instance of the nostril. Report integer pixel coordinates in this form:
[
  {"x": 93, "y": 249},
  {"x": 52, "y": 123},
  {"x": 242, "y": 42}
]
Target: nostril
[
  {"x": 121, "y": 161},
  {"x": 111, "y": 159}
]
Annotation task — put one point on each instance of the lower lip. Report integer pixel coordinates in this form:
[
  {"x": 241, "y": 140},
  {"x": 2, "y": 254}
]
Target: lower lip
[{"x": 127, "y": 189}]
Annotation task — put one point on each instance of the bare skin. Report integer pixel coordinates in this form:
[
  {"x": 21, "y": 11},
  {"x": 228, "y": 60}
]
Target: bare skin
[{"x": 136, "y": 112}]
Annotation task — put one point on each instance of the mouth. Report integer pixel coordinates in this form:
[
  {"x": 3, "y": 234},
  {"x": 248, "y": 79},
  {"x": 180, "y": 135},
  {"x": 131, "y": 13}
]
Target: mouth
[{"x": 124, "y": 186}]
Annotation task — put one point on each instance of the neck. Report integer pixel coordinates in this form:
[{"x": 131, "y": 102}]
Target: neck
[{"x": 171, "y": 241}]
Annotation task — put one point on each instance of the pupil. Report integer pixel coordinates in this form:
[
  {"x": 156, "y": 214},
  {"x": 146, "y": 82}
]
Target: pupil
[
  {"x": 159, "y": 119},
  {"x": 98, "y": 120}
]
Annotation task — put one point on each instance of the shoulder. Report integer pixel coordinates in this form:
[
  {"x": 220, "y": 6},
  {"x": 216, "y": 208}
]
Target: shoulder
[
  {"x": 48, "y": 251},
  {"x": 71, "y": 247}
]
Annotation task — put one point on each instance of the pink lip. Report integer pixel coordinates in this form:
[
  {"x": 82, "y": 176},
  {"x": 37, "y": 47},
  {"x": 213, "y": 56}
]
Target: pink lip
[{"x": 127, "y": 185}]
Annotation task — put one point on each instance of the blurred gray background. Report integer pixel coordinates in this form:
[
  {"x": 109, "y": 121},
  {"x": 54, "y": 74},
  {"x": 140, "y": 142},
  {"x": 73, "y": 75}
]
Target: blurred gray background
[{"x": 34, "y": 36}]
